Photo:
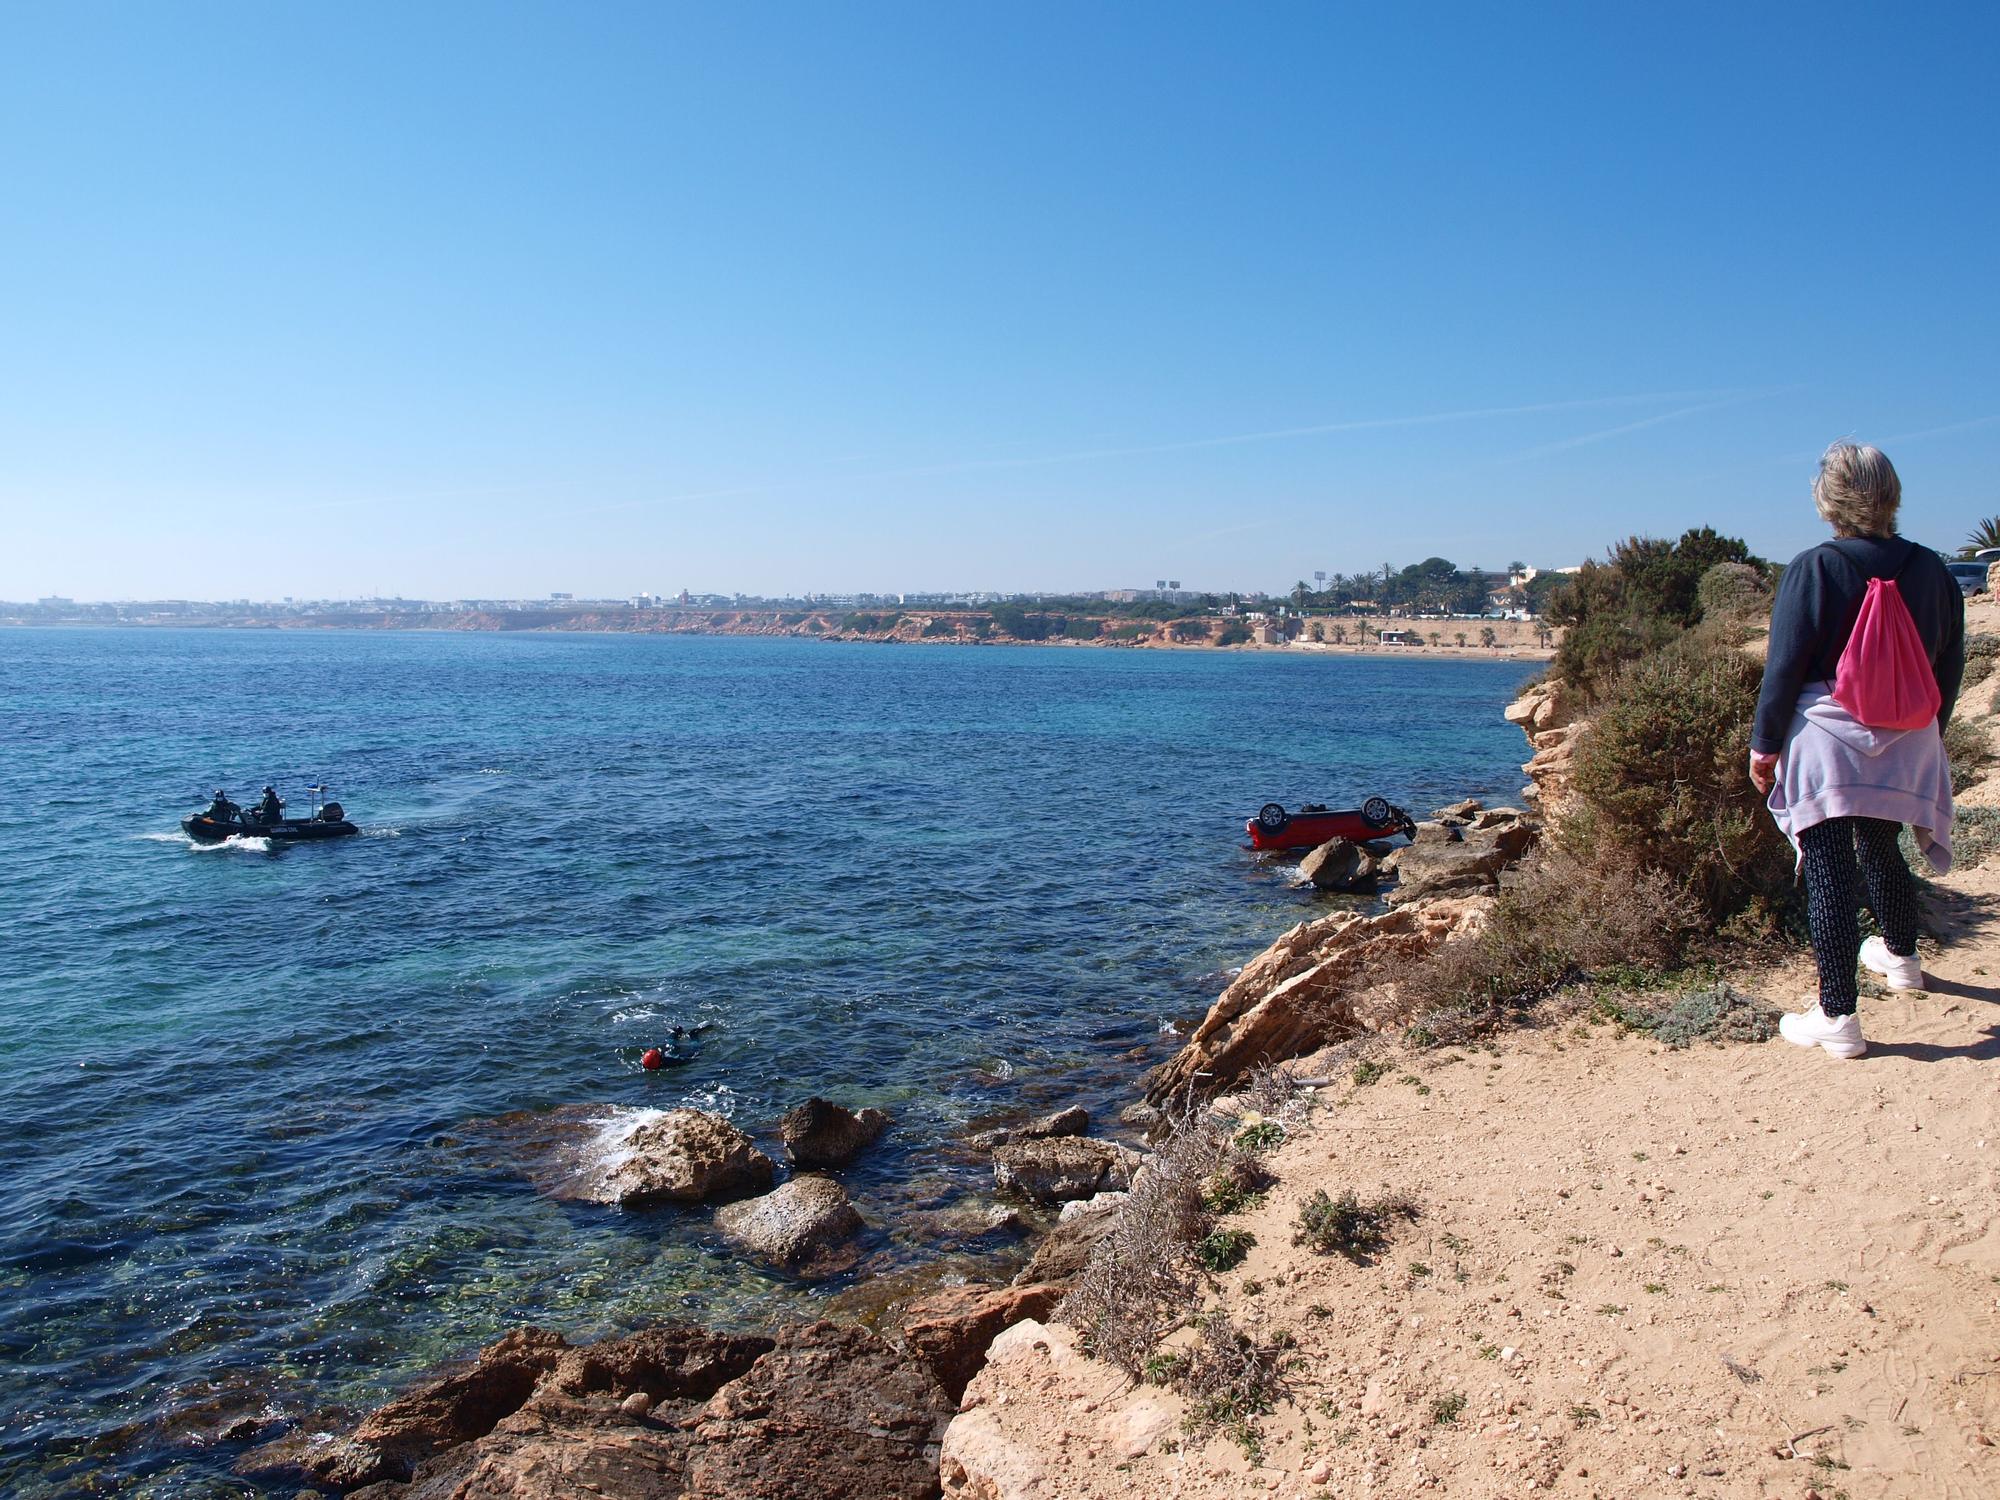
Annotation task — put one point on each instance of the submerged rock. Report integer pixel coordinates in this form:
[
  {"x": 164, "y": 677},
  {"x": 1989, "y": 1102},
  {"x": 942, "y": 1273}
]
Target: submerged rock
[
  {"x": 1061, "y": 1254},
  {"x": 1059, "y": 1168},
  {"x": 1074, "y": 1120},
  {"x": 807, "y": 1227},
  {"x": 820, "y": 1133}
]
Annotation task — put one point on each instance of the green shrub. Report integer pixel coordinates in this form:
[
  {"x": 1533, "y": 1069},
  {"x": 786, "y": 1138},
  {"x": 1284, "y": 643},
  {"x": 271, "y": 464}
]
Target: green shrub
[
  {"x": 1233, "y": 635},
  {"x": 1131, "y": 632},
  {"x": 1734, "y": 590},
  {"x": 1189, "y": 630},
  {"x": 1221, "y": 1249},
  {"x": 1080, "y": 629},
  {"x": 1716, "y": 1013},
  {"x": 1346, "y": 1224},
  {"x": 937, "y": 627},
  {"x": 1642, "y": 597},
  {"x": 1662, "y": 784},
  {"x": 862, "y": 624},
  {"x": 1975, "y": 834}
]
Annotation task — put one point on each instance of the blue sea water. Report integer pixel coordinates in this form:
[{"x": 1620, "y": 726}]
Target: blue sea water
[{"x": 246, "y": 1093}]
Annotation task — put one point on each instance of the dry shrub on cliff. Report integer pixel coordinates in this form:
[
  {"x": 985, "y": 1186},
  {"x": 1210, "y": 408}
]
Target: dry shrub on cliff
[
  {"x": 1230, "y": 1380},
  {"x": 1146, "y": 1274},
  {"x": 1559, "y": 919}
]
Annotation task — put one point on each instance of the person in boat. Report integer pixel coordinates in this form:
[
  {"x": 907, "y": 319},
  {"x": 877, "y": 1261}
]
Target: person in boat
[
  {"x": 271, "y": 809},
  {"x": 222, "y": 810}
]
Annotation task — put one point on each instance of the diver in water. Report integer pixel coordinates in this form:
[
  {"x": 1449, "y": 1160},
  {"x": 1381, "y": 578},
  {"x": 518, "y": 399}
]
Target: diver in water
[
  {"x": 271, "y": 809},
  {"x": 222, "y": 810}
]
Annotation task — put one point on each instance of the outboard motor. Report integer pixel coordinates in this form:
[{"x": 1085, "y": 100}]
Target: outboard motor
[{"x": 332, "y": 812}]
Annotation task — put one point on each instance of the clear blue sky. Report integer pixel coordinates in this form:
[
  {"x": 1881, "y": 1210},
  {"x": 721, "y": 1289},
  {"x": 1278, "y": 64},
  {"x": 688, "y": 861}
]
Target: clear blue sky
[{"x": 494, "y": 299}]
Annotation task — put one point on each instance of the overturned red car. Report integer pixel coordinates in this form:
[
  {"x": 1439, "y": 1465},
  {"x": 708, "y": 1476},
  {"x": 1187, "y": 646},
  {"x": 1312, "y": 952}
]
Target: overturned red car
[{"x": 1314, "y": 824}]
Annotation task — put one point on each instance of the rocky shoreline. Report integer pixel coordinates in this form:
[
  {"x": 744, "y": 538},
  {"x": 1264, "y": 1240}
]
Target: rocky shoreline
[{"x": 838, "y": 1408}]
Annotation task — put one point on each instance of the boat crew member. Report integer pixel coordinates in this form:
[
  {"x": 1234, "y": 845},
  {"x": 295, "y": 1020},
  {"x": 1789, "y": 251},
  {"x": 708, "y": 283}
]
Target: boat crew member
[
  {"x": 270, "y": 810},
  {"x": 222, "y": 809}
]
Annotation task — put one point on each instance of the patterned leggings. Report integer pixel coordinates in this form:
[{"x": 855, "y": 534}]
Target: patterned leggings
[{"x": 1833, "y": 903}]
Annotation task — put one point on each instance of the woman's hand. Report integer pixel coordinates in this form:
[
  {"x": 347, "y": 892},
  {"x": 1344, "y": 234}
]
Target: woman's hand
[{"x": 1763, "y": 772}]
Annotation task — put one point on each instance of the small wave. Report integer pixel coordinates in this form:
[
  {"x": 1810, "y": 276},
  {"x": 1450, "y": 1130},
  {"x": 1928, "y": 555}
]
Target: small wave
[
  {"x": 717, "y": 1099},
  {"x": 490, "y": 771},
  {"x": 381, "y": 833},
  {"x": 637, "y": 1013},
  {"x": 253, "y": 845}
]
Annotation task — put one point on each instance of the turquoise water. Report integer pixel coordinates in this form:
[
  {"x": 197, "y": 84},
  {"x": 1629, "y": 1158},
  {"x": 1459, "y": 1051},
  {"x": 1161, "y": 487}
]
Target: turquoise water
[{"x": 246, "y": 1092}]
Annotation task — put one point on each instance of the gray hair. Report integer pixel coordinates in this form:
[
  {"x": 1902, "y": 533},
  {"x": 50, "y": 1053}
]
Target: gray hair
[{"x": 1857, "y": 491}]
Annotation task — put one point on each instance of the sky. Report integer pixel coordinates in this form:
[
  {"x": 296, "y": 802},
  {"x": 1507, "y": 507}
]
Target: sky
[{"x": 497, "y": 299}]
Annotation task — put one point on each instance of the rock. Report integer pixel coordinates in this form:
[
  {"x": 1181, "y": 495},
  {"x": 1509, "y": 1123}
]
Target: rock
[
  {"x": 1057, "y": 1169},
  {"x": 831, "y": 1411},
  {"x": 1061, "y": 1254},
  {"x": 1307, "y": 988},
  {"x": 1074, "y": 1120},
  {"x": 683, "y": 1156},
  {"x": 1076, "y": 1208},
  {"x": 819, "y": 1133},
  {"x": 1433, "y": 832},
  {"x": 1498, "y": 817},
  {"x": 1463, "y": 811},
  {"x": 1140, "y": 1116},
  {"x": 520, "y": 1417},
  {"x": 1338, "y": 865},
  {"x": 636, "y": 1405},
  {"x": 996, "y": 1449},
  {"x": 952, "y": 1327},
  {"x": 807, "y": 1227},
  {"x": 1439, "y": 869}
]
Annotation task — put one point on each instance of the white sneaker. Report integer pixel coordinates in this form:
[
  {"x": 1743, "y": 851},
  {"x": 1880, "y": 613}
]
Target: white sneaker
[
  {"x": 1898, "y": 973},
  {"x": 1814, "y": 1028}
]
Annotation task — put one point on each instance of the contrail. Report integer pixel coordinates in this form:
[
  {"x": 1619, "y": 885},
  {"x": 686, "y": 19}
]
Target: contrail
[
  {"x": 1364, "y": 424},
  {"x": 1619, "y": 431}
]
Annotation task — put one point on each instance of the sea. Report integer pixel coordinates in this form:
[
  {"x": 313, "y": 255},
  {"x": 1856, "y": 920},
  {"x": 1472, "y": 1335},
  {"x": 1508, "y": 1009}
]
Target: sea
[{"x": 270, "y": 1114}]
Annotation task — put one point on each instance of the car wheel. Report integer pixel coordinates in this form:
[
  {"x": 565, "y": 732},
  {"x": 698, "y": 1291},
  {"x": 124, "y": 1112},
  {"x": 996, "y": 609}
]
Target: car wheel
[
  {"x": 1376, "y": 812},
  {"x": 1272, "y": 817}
]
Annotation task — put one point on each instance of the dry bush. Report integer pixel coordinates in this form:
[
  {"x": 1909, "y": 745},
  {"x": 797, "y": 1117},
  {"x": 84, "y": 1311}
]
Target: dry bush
[
  {"x": 1559, "y": 919},
  {"x": 1229, "y": 1380},
  {"x": 1347, "y": 1225},
  {"x": 1968, "y": 748},
  {"x": 1146, "y": 1274},
  {"x": 1982, "y": 654}
]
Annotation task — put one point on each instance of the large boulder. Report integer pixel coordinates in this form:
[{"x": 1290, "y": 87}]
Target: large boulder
[
  {"x": 807, "y": 1227},
  {"x": 952, "y": 1327},
  {"x": 1339, "y": 865},
  {"x": 998, "y": 1448},
  {"x": 684, "y": 1156},
  {"x": 832, "y": 1411},
  {"x": 1060, "y": 1168},
  {"x": 1441, "y": 869},
  {"x": 820, "y": 1133},
  {"x": 1301, "y": 991}
]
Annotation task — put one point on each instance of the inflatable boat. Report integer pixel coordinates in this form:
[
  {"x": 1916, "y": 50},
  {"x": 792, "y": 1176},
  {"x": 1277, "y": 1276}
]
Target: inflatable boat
[
  {"x": 328, "y": 821},
  {"x": 1314, "y": 824}
]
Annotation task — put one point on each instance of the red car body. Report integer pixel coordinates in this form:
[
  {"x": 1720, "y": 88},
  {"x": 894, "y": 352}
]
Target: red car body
[{"x": 1312, "y": 826}]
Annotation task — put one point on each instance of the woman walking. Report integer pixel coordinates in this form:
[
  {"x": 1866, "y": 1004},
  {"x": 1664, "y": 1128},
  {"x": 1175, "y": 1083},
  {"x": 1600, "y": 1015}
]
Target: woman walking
[{"x": 1842, "y": 774}]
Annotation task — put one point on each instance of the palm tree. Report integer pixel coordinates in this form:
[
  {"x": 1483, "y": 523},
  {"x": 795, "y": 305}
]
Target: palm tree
[
  {"x": 1461, "y": 640},
  {"x": 1340, "y": 635},
  {"x": 1435, "y": 638},
  {"x": 1300, "y": 593},
  {"x": 1487, "y": 637},
  {"x": 1985, "y": 534}
]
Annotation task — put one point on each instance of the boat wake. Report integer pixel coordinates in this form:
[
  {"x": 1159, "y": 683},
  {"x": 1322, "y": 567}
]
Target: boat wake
[{"x": 255, "y": 844}]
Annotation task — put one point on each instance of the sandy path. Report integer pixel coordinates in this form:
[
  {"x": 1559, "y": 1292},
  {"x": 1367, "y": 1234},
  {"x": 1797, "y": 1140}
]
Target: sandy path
[{"x": 1644, "y": 1270}]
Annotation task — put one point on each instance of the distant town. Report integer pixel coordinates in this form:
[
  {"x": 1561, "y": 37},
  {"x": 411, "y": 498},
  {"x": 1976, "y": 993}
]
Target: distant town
[{"x": 1433, "y": 589}]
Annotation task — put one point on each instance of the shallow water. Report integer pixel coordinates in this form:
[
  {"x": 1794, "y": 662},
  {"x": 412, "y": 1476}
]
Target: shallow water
[{"x": 246, "y": 1089}]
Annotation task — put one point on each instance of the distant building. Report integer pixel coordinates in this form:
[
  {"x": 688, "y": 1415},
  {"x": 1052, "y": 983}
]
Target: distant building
[{"x": 1399, "y": 638}]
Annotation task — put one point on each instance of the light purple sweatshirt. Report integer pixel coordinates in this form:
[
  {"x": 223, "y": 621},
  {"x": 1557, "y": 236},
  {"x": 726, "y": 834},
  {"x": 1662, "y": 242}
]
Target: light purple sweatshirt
[{"x": 1833, "y": 766}]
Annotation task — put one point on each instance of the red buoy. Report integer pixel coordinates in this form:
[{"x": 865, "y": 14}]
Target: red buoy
[{"x": 653, "y": 1058}]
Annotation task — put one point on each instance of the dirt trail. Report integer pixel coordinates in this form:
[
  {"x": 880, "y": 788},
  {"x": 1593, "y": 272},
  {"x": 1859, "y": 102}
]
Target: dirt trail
[{"x": 1725, "y": 1272}]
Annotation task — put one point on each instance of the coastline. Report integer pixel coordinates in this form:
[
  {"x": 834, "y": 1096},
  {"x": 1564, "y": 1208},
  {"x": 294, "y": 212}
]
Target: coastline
[{"x": 1519, "y": 1334}]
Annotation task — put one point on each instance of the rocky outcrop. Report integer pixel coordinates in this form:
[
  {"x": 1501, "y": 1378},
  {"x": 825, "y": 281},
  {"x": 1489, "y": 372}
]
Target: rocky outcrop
[
  {"x": 819, "y": 1412},
  {"x": 832, "y": 1411},
  {"x": 1547, "y": 714},
  {"x": 820, "y": 1133},
  {"x": 1061, "y": 1254},
  {"x": 952, "y": 1327},
  {"x": 1074, "y": 1120},
  {"x": 1060, "y": 1168},
  {"x": 807, "y": 1227},
  {"x": 684, "y": 1156},
  {"x": 1302, "y": 990},
  {"x": 1339, "y": 865},
  {"x": 1037, "y": 1382},
  {"x": 1486, "y": 843},
  {"x": 530, "y": 1408}
]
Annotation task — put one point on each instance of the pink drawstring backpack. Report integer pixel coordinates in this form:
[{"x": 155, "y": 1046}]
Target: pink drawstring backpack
[{"x": 1884, "y": 679}]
